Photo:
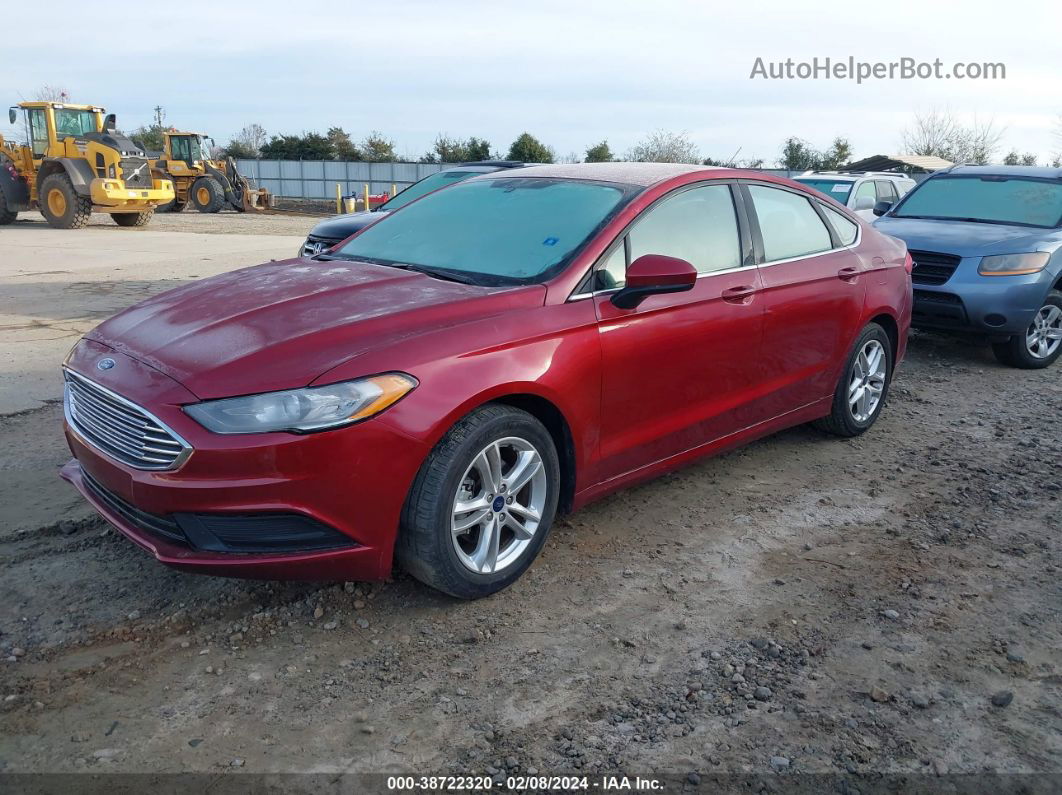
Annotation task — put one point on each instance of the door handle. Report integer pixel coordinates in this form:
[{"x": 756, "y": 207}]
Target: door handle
[
  {"x": 739, "y": 295},
  {"x": 848, "y": 274}
]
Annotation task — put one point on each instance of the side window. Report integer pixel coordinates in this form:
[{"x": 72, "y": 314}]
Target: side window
[
  {"x": 864, "y": 191},
  {"x": 886, "y": 191},
  {"x": 38, "y": 131},
  {"x": 789, "y": 225},
  {"x": 845, "y": 228},
  {"x": 698, "y": 225},
  {"x": 612, "y": 270}
]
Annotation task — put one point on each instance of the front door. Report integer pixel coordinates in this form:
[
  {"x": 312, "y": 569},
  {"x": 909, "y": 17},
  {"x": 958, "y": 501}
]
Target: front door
[{"x": 679, "y": 369}]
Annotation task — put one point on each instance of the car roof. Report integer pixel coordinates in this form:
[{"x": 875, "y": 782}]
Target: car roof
[
  {"x": 1043, "y": 172},
  {"x": 852, "y": 176},
  {"x": 483, "y": 168},
  {"x": 641, "y": 174}
]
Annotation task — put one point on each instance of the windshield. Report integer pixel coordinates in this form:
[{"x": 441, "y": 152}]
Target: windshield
[
  {"x": 74, "y": 122},
  {"x": 427, "y": 185},
  {"x": 834, "y": 188},
  {"x": 494, "y": 231},
  {"x": 994, "y": 200}
]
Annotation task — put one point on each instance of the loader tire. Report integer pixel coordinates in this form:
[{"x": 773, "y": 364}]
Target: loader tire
[
  {"x": 133, "y": 219},
  {"x": 61, "y": 205},
  {"x": 6, "y": 216},
  {"x": 207, "y": 195}
]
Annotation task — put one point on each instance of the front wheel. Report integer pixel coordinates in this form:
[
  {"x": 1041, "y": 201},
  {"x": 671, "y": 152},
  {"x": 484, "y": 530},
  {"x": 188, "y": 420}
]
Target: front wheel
[
  {"x": 482, "y": 504},
  {"x": 1041, "y": 344},
  {"x": 207, "y": 195},
  {"x": 133, "y": 219},
  {"x": 863, "y": 386},
  {"x": 61, "y": 205}
]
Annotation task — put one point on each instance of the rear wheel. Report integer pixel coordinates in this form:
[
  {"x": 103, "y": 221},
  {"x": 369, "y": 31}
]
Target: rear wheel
[
  {"x": 207, "y": 195},
  {"x": 6, "y": 215},
  {"x": 133, "y": 219},
  {"x": 863, "y": 386},
  {"x": 1041, "y": 344},
  {"x": 482, "y": 504},
  {"x": 61, "y": 205}
]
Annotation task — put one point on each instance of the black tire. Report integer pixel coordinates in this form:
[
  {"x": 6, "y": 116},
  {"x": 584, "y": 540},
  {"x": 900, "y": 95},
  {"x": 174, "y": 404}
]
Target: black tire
[
  {"x": 207, "y": 195},
  {"x": 76, "y": 209},
  {"x": 6, "y": 216},
  {"x": 133, "y": 219},
  {"x": 1015, "y": 351},
  {"x": 425, "y": 547},
  {"x": 841, "y": 420},
  {"x": 178, "y": 207}
]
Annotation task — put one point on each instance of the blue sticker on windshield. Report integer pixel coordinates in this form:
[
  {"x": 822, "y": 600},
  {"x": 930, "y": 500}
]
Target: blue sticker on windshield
[{"x": 549, "y": 241}]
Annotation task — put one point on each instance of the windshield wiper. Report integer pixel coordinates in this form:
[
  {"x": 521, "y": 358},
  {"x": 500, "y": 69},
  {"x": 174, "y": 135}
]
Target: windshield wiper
[{"x": 438, "y": 273}]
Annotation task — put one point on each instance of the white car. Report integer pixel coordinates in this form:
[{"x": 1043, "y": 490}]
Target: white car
[{"x": 859, "y": 191}]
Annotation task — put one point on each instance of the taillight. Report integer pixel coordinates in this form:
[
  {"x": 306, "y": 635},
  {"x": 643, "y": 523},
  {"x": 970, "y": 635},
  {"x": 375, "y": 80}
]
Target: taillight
[{"x": 908, "y": 264}]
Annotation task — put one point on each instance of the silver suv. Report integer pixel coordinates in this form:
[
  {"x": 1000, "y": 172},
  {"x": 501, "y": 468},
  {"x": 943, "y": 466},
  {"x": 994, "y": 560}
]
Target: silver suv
[{"x": 859, "y": 191}]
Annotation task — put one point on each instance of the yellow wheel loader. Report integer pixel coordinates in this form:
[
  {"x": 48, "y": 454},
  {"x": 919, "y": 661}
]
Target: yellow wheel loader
[
  {"x": 206, "y": 184},
  {"x": 74, "y": 164}
]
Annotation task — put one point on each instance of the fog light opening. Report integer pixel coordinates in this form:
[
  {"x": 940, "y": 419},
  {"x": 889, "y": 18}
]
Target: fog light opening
[{"x": 995, "y": 320}]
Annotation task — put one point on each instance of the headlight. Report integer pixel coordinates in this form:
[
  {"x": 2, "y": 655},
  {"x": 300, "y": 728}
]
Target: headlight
[
  {"x": 300, "y": 410},
  {"x": 1013, "y": 264}
]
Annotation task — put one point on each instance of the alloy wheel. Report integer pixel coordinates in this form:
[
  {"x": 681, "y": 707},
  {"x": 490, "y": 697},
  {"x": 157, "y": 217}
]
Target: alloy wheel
[
  {"x": 498, "y": 506},
  {"x": 1045, "y": 334},
  {"x": 867, "y": 381}
]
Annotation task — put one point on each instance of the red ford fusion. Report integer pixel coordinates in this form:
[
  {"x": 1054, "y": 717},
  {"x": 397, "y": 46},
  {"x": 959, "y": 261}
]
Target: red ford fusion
[{"x": 434, "y": 391}]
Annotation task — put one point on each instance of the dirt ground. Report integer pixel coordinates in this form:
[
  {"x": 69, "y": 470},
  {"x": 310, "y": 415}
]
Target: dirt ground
[{"x": 884, "y": 610}]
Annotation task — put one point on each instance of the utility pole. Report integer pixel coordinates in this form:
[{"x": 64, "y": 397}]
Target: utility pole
[{"x": 160, "y": 115}]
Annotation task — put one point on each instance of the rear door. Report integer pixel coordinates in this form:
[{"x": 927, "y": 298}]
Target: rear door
[
  {"x": 680, "y": 370},
  {"x": 813, "y": 289}
]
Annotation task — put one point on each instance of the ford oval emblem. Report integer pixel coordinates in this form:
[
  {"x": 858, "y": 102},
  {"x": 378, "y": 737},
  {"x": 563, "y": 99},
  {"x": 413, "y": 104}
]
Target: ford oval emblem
[{"x": 106, "y": 363}]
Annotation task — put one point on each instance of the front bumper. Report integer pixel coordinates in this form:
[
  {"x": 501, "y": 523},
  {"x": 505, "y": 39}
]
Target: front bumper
[
  {"x": 993, "y": 305},
  {"x": 113, "y": 194},
  {"x": 348, "y": 483}
]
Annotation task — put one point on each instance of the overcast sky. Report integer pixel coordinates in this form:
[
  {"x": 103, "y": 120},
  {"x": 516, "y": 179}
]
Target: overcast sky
[{"x": 571, "y": 73}]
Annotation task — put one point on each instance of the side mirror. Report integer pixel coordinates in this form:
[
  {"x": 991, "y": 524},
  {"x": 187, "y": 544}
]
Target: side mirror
[
  {"x": 863, "y": 203},
  {"x": 651, "y": 274},
  {"x": 882, "y": 207},
  {"x": 109, "y": 123},
  {"x": 12, "y": 115}
]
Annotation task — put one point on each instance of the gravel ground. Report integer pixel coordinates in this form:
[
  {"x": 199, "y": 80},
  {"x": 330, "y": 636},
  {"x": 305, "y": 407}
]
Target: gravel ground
[
  {"x": 883, "y": 606},
  {"x": 883, "y": 611}
]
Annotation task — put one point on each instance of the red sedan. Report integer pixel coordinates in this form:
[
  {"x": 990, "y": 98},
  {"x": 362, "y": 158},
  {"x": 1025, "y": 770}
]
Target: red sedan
[{"x": 440, "y": 386}]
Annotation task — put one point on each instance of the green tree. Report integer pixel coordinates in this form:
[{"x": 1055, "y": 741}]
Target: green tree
[
  {"x": 149, "y": 137},
  {"x": 309, "y": 146},
  {"x": 797, "y": 155},
  {"x": 665, "y": 147},
  {"x": 342, "y": 147},
  {"x": 529, "y": 149},
  {"x": 839, "y": 153},
  {"x": 599, "y": 153},
  {"x": 478, "y": 149},
  {"x": 1012, "y": 158},
  {"x": 239, "y": 149},
  {"x": 375, "y": 148}
]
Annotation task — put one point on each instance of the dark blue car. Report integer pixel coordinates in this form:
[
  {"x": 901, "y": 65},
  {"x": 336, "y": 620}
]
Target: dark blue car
[{"x": 986, "y": 246}]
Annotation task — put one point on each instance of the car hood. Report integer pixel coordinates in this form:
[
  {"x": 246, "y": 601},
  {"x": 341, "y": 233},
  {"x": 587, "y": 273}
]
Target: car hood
[
  {"x": 965, "y": 238},
  {"x": 283, "y": 324},
  {"x": 340, "y": 227}
]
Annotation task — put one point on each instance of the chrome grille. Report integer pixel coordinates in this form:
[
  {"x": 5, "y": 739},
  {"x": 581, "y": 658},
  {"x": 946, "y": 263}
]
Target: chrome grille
[
  {"x": 120, "y": 428},
  {"x": 315, "y": 245}
]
